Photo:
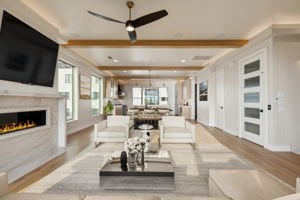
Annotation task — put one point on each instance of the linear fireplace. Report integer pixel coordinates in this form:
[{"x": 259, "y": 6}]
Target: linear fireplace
[{"x": 16, "y": 121}]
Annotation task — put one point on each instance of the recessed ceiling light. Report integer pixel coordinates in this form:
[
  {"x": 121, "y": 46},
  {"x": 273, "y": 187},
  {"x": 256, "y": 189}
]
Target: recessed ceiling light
[
  {"x": 175, "y": 71},
  {"x": 115, "y": 60},
  {"x": 125, "y": 71},
  {"x": 183, "y": 61}
]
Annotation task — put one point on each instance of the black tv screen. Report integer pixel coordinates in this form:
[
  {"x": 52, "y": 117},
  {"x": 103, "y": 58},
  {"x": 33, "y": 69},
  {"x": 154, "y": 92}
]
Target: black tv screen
[{"x": 26, "y": 55}]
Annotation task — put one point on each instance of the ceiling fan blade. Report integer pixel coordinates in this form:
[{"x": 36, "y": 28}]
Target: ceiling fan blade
[
  {"x": 132, "y": 36},
  {"x": 106, "y": 18},
  {"x": 146, "y": 19}
]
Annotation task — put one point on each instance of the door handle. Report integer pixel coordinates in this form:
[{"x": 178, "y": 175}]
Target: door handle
[
  {"x": 261, "y": 110},
  {"x": 221, "y": 107}
]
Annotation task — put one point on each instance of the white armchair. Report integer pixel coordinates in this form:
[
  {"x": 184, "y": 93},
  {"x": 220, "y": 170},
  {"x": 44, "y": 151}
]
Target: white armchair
[
  {"x": 114, "y": 129},
  {"x": 174, "y": 129}
]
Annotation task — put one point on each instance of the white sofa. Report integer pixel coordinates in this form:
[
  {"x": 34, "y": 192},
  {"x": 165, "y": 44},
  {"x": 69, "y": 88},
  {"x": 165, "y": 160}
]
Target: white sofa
[
  {"x": 114, "y": 129},
  {"x": 247, "y": 184},
  {"x": 175, "y": 129}
]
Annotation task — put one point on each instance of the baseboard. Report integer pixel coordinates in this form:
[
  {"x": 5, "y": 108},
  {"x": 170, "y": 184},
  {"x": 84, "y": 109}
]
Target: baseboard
[
  {"x": 202, "y": 122},
  {"x": 232, "y": 132},
  {"x": 278, "y": 148}
]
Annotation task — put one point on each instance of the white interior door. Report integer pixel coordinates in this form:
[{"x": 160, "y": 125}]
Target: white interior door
[
  {"x": 219, "y": 115},
  {"x": 252, "y": 98}
]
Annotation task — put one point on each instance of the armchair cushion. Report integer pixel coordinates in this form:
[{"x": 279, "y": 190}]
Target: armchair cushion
[
  {"x": 114, "y": 129},
  {"x": 113, "y": 132},
  {"x": 174, "y": 129}
]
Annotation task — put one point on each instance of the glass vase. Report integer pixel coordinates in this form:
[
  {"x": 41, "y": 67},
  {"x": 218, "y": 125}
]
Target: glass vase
[{"x": 132, "y": 157}]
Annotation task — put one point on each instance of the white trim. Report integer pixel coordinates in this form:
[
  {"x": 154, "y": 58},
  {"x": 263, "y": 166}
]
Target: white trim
[
  {"x": 278, "y": 148},
  {"x": 232, "y": 132},
  {"x": 211, "y": 125},
  {"x": 205, "y": 123},
  {"x": 62, "y": 137},
  {"x": 216, "y": 106}
]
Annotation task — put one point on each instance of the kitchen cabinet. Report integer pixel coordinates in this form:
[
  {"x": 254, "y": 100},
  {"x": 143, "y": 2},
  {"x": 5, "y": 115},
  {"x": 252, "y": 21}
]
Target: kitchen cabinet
[{"x": 185, "y": 111}]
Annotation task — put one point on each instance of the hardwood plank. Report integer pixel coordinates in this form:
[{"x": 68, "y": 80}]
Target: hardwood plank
[
  {"x": 158, "y": 43},
  {"x": 284, "y": 165},
  {"x": 159, "y": 68}
]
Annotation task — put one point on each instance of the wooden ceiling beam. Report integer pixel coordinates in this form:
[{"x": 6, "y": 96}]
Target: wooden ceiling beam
[
  {"x": 158, "y": 43},
  {"x": 154, "y": 68},
  {"x": 138, "y": 78}
]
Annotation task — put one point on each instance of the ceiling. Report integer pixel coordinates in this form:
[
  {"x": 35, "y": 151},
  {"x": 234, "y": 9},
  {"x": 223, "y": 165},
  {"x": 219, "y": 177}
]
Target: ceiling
[{"x": 187, "y": 20}]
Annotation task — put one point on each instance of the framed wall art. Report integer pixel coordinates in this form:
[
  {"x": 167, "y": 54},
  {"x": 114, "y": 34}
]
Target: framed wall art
[
  {"x": 85, "y": 87},
  {"x": 203, "y": 91}
]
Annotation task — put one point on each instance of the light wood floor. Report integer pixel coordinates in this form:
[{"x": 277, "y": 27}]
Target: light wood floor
[{"x": 283, "y": 165}]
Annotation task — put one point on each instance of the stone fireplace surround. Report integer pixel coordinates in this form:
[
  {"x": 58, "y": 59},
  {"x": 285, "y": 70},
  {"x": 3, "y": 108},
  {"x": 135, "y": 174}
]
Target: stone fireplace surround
[{"x": 23, "y": 151}]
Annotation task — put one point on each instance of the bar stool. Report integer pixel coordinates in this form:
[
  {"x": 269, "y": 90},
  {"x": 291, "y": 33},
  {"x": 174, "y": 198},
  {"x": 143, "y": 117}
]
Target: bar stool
[
  {"x": 133, "y": 112},
  {"x": 149, "y": 116},
  {"x": 164, "y": 112}
]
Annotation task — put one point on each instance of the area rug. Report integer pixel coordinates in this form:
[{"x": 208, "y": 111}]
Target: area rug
[{"x": 81, "y": 174}]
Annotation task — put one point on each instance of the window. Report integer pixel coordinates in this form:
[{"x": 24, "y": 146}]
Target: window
[
  {"x": 96, "y": 95},
  {"x": 149, "y": 96},
  {"x": 137, "y": 96},
  {"x": 66, "y": 86},
  {"x": 68, "y": 78},
  {"x": 163, "y": 96}
]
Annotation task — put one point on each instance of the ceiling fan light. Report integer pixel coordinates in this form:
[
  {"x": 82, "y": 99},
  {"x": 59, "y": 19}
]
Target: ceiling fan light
[{"x": 129, "y": 26}]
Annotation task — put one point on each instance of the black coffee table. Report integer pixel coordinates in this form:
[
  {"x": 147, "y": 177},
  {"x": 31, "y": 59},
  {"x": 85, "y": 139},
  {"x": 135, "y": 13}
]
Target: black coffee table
[{"x": 155, "y": 175}]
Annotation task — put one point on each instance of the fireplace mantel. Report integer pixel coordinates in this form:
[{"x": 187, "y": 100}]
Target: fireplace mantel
[{"x": 29, "y": 94}]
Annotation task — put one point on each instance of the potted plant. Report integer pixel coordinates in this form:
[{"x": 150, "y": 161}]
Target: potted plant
[{"x": 108, "y": 108}]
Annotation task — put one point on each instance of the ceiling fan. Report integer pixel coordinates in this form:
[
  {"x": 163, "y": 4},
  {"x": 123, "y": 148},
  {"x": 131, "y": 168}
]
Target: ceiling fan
[{"x": 131, "y": 25}]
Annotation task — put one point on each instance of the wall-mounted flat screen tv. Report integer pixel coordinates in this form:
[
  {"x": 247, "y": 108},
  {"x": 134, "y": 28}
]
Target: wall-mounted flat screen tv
[{"x": 26, "y": 55}]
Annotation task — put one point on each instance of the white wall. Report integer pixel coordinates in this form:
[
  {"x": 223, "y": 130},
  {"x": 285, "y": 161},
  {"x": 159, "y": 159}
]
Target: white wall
[
  {"x": 230, "y": 63},
  {"x": 286, "y": 96},
  {"x": 205, "y": 111},
  {"x": 231, "y": 97},
  {"x": 84, "y": 117},
  {"x": 283, "y": 72}
]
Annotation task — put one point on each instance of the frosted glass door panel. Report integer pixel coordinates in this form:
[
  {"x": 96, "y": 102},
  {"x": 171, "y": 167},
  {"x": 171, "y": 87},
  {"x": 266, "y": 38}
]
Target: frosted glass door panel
[
  {"x": 251, "y": 97},
  {"x": 252, "y": 128},
  {"x": 252, "y": 67},
  {"x": 252, "y": 82},
  {"x": 252, "y": 113}
]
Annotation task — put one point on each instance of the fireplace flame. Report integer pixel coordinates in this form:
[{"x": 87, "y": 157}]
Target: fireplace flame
[{"x": 16, "y": 127}]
